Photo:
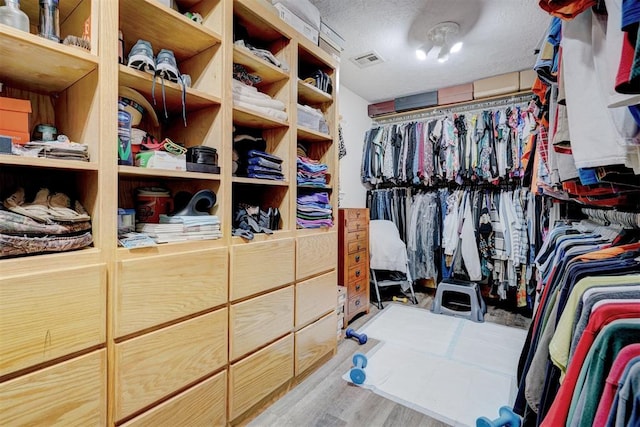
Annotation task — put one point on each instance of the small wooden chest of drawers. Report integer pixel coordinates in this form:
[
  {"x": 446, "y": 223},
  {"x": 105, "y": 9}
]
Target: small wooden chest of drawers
[{"x": 353, "y": 259}]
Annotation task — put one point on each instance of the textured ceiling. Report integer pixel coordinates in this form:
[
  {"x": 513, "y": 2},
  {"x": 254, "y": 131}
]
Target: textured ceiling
[{"x": 499, "y": 36}]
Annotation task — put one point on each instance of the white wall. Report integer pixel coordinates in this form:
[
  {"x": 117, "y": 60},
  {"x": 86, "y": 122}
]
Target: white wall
[{"x": 355, "y": 122}]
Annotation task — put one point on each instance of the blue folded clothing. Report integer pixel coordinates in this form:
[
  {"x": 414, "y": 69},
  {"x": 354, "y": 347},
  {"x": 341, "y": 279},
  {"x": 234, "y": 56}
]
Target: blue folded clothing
[
  {"x": 261, "y": 161},
  {"x": 264, "y": 155}
]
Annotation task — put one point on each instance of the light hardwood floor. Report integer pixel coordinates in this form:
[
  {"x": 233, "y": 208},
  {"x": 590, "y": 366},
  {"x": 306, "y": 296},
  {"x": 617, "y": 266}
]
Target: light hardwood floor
[{"x": 325, "y": 399}]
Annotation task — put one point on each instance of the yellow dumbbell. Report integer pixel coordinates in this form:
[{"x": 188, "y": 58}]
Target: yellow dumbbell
[{"x": 403, "y": 299}]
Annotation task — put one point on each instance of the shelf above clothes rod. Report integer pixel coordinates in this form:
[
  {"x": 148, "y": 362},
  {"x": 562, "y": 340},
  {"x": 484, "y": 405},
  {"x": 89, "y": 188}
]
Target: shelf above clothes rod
[{"x": 441, "y": 110}]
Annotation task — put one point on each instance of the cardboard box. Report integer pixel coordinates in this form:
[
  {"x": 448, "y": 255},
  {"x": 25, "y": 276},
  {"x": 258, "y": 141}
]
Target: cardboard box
[
  {"x": 335, "y": 54},
  {"x": 303, "y": 28},
  {"x": 496, "y": 85},
  {"x": 453, "y": 94},
  {"x": 380, "y": 108},
  {"x": 14, "y": 119},
  {"x": 527, "y": 78},
  {"x": 417, "y": 101}
]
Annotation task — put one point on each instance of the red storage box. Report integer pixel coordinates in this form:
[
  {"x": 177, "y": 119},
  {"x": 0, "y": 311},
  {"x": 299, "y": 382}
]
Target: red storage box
[
  {"x": 453, "y": 94},
  {"x": 14, "y": 119},
  {"x": 385, "y": 107}
]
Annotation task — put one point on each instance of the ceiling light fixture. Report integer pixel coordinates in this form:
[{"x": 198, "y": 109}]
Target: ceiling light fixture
[{"x": 439, "y": 37}]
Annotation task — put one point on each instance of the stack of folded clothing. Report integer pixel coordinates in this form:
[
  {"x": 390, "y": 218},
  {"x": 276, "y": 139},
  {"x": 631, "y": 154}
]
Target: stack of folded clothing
[
  {"x": 262, "y": 53},
  {"x": 249, "y": 97},
  {"x": 180, "y": 228},
  {"x": 314, "y": 211},
  {"x": 311, "y": 173},
  {"x": 263, "y": 165},
  {"x": 65, "y": 150}
]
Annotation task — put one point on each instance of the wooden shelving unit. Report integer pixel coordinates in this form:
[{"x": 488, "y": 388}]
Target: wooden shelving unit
[{"x": 181, "y": 333}]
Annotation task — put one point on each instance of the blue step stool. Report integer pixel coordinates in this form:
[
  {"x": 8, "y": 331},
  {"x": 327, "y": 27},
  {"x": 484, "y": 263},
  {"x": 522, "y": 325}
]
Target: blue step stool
[{"x": 474, "y": 310}]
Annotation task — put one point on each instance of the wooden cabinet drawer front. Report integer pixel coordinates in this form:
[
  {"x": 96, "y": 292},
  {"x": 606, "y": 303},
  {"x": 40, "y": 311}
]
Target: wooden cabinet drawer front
[
  {"x": 168, "y": 287},
  {"x": 257, "y": 321},
  {"x": 361, "y": 235},
  {"x": 357, "y": 245},
  {"x": 357, "y": 273},
  {"x": 204, "y": 404},
  {"x": 253, "y": 378},
  {"x": 361, "y": 224},
  {"x": 260, "y": 266},
  {"x": 316, "y": 254},
  {"x": 358, "y": 259},
  {"x": 358, "y": 303},
  {"x": 355, "y": 214},
  {"x": 71, "y": 393},
  {"x": 153, "y": 365},
  {"x": 48, "y": 315},
  {"x": 358, "y": 287},
  {"x": 315, "y": 341},
  {"x": 314, "y": 297}
]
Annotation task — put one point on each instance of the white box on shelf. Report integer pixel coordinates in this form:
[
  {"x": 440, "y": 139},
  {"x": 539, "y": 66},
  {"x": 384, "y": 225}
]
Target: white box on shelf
[
  {"x": 161, "y": 160},
  {"x": 331, "y": 37},
  {"x": 292, "y": 19}
]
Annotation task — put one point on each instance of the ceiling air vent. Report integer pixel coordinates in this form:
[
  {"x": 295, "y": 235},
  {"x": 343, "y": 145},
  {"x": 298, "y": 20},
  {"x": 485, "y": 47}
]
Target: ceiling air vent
[{"x": 367, "y": 59}]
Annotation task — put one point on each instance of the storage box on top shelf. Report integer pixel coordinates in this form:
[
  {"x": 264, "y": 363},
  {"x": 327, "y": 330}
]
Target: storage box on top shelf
[
  {"x": 380, "y": 108},
  {"x": 292, "y": 19},
  {"x": 335, "y": 54},
  {"x": 331, "y": 37},
  {"x": 14, "y": 119},
  {"x": 496, "y": 85},
  {"x": 453, "y": 94},
  {"x": 527, "y": 78}
]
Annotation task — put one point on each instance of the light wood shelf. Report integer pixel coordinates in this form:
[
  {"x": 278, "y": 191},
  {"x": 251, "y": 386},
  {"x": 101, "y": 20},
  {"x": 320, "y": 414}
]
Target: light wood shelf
[
  {"x": 245, "y": 117},
  {"x": 133, "y": 171},
  {"x": 267, "y": 71},
  {"x": 265, "y": 24},
  {"x": 257, "y": 181},
  {"x": 48, "y": 67},
  {"x": 309, "y": 94},
  {"x": 168, "y": 248},
  {"x": 307, "y": 134},
  {"x": 165, "y": 28},
  {"x": 143, "y": 83},
  {"x": 41, "y": 162},
  {"x": 32, "y": 9}
]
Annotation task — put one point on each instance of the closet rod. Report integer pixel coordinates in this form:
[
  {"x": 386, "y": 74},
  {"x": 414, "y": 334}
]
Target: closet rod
[
  {"x": 440, "y": 110},
  {"x": 625, "y": 219}
]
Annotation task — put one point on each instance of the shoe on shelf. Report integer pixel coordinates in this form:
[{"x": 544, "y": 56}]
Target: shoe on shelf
[
  {"x": 166, "y": 66},
  {"x": 141, "y": 57}
]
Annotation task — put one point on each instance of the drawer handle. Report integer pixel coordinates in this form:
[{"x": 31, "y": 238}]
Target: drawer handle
[
  {"x": 357, "y": 273},
  {"x": 357, "y": 302},
  {"x": 358, "y": 247},
  {"x": 357, "y": 213},
  {"x": 357, "y": 258},
  {"x": 357, "y": 287}
]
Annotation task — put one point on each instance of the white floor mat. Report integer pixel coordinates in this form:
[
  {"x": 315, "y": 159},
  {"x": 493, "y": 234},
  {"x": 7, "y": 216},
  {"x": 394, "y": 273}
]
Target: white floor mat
[{"x": 449, "y": 368}]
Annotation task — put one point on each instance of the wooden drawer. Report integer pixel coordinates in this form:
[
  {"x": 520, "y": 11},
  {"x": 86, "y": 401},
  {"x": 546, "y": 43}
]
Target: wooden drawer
[
  {"x": 360, "y": 224},
  {"x": 260, "y": 266},
  {"x": 357, "y": 273},
  {"x": 48, "y": 315},
  {"x": 71, "y": 393},
  {"x": 314, "y": 297},
  {"x": 315, "y": 341},
  {"x": 357, "y": 304},
  {"x": 257, "y": 321},
  {"x": 253, "y": 378},
  {"x": 354, "y": 213},
  {"x": 204, "y": 404},
  {"x": 358, "y": 287},
  {"x": 358, "y": 259},
  {"x": 168, "y": 287},
  {"x": 357, "y": 245},
  {"x": 316, "y": 254},
  {"x": 362, "y": 235},
  {"x": 153, "y": 365}
]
